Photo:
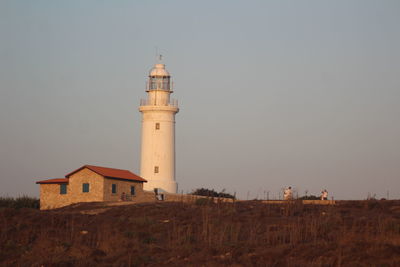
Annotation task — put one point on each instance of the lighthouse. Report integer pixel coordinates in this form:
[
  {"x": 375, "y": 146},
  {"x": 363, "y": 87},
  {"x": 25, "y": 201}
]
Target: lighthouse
[{"x": 158, "y": 110}]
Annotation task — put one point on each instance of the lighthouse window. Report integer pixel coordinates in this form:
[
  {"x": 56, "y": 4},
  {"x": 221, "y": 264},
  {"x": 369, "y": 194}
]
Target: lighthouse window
[
  {"x": 157, "y": 126},
  {"x": 153, "y": 83},
  {"x": 155, "y": 169},
  {"x": 165, "y": 83}
]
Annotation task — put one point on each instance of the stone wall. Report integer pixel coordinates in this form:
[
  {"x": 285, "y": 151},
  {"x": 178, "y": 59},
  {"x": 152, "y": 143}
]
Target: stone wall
[
  {"x": 306, "y": 202},
  {"x": 96, "y": 186},
  {"x": 149, "y": 196},
  {"x": 51, "y": 198},
  {"x": 122, "y": 186},
  {"x": 192, "y": 198}
]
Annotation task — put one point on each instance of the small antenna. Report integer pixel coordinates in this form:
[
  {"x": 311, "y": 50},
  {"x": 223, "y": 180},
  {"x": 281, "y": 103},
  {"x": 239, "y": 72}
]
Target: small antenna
[{"x": 158, "y": 56}]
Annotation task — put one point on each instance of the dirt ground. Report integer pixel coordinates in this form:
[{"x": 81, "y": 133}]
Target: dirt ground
[{"x": 250, "y": 233}]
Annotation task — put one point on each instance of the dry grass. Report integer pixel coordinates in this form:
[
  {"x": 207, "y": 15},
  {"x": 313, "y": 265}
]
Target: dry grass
[{"x": 354, "y": 233}]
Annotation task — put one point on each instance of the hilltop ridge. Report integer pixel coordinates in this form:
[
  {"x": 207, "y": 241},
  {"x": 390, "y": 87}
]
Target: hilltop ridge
[{"x": 247, "y": 233}]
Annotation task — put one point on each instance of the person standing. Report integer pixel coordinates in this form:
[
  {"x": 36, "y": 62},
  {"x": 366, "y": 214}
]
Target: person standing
[
  {"x": 324, "y": 195},
  {"x": 287, "y": 193}
]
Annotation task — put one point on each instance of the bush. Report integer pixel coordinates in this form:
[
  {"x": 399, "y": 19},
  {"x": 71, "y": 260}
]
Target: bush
[
  {"x": 212, "y": 193},
  {"x": 310, "y": 197},
  {"x": 19, "y": 202}
]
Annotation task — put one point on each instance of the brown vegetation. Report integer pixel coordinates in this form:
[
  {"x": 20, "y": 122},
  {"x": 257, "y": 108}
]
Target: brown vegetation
[{"x": 188, "y": 234}]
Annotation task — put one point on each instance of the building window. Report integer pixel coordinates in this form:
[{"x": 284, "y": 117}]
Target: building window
[
  {"x": 132, "y": 190},
  {"x": 114, "y": 188},
  {"x": 63, "y": 189},
  {"x": 156, "y": 169},
  {"x": 157, "y": 126},
  {"x": 85, "y": 188}
]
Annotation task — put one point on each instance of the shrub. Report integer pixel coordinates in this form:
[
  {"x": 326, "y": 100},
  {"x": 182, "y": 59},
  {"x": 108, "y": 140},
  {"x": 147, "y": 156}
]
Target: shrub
[
  {"x": 19, "y": 202},
  {"x": 310, "y": 197},
  {"x": 212, "y": 193}
]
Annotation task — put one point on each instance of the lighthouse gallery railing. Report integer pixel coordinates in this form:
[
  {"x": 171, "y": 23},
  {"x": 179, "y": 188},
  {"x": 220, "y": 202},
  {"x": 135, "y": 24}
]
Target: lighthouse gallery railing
[{"x": 146, "y": 102}]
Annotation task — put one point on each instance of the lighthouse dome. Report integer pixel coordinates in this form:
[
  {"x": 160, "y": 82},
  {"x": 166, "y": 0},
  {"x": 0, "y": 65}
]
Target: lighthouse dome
[{"x": 159, "y": 70}]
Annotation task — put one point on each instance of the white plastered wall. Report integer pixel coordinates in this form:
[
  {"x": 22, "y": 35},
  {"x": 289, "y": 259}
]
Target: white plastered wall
[{"x": 158, "y": 147}]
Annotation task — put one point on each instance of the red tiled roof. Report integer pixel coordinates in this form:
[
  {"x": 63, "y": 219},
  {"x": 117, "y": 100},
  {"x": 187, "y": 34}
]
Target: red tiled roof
[
  {"x": 111, "y": 173},
  {"x": 54, "y": 181}
]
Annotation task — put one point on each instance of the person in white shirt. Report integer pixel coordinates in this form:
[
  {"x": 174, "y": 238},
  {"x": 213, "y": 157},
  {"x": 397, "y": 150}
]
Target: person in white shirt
[
  {"x": 287, "y": 193},
  {"x": 324, "y": 195}
]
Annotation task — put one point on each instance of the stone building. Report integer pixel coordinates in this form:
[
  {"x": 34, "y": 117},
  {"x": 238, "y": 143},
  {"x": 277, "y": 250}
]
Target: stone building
[{"x": 89, "y": 184}]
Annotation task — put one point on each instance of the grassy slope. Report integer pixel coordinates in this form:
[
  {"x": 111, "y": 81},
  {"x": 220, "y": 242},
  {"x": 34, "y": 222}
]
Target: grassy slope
[{"x": 179, "y": 234}]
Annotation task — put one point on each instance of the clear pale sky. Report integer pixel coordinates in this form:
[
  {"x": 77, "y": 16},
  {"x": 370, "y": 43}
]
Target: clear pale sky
[{"x": 272, "y": 93}]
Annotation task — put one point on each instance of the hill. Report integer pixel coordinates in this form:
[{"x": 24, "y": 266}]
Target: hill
[{"x": 204, "y": 234}]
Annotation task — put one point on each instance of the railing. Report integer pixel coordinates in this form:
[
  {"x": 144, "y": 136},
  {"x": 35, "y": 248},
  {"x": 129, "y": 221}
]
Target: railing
[{"x": 146, "y": 102}]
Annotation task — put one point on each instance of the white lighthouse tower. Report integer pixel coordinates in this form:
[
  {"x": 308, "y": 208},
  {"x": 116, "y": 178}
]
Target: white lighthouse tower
[{"x": 157, "y": 164}]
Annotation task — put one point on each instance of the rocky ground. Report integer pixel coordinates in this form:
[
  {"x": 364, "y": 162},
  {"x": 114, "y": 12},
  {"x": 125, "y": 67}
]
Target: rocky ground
[{"x": 249, "y": 233}]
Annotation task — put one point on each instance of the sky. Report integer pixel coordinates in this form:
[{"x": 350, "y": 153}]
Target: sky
[{"x": 271, "y": 93}]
